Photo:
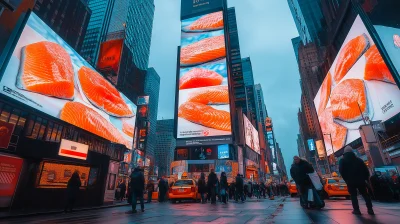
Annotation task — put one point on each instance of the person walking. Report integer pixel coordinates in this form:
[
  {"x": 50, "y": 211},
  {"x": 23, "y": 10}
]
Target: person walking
[
  {"x": 256, "y": 190},
  {"x": 73, "y": 186},
  {"x": 202, "y": 187},
  {"x": 223, "y": 187},
  {"x": 150, "y": 190},
  {"x": 239, "y": 188},
  {"x": 122, "y": 191},
  {"x": 161, "y": 190},
  {"x": 212, "y": 185},
  {"x": 137, "y": 182},
  {"x": 356, "y": 174}
]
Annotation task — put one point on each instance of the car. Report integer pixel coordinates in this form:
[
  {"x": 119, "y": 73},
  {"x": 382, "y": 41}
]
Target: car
[
  {"x": 292, "y": 188},
  {"x": 335, "y": 187},
  {"x": 183, "y": 189}
]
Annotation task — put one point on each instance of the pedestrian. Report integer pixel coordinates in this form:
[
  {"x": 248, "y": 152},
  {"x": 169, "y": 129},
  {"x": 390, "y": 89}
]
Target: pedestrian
[
  {"x": 137, "y": 182},
  {"x": 356, "y": 174},
  {"x": 256, "y": 190},
  {"x": 161, "y": 190},
  {"x": 150, "y": 190},
  {"x": 122, "y": 191},
  {"x": 202, "y": 188},
  {"x": 129, "y": 193},
  {"x": 223, "y": 187},
  {"x": 262, "y": 189},
  {"x": 212, "y": 185},
  {"x": 232, "y": 194},
  {"x": 74, "y": 183},
  {"x": 239, "y": 188}
]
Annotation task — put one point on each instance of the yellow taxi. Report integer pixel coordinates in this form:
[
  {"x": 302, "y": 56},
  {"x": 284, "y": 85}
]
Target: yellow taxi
[
  {"x": 335, "y": 187},
  {"x": 183, "y": 189},
  {"x": 292, "y": 188}
]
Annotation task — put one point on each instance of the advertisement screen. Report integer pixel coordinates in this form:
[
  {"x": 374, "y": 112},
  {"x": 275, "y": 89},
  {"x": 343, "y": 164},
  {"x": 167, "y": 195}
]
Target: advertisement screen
[
  {"x": 10, "y": 169},
  {"x": 189, "y": 7},
  {"x": 203, "y": 104},
  {"x": 311, "y": 144},
  {"x": 110, "y": 55},
  {"x": 58, "y": 175},
  {"x": 251, "y": 135},
  {"x": 358, "y": 88},
  {"x": 271, "y": 143},
  {"x": 45, "y": 73},
  {"x": 320, "y": 148}
]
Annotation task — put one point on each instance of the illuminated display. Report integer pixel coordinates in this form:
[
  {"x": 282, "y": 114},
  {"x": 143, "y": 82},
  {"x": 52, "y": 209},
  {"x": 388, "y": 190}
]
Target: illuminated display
[
  {"x": 251, "y": 135},
  {"x": 45, "y": 73},
  {"x": 58, "y": 175},
  {"x": 271, "y": 143},
  {"x": 311, "y": 144},
  {"x": 110, "y": 55},
  {"x": 358, "y": 88}
]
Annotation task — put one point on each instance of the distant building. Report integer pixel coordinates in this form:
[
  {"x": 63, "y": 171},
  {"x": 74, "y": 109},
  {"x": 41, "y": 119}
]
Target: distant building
[
  {"x": 261, "y": 109},
  {"x": 119, "y": 17},
  {"x": 166, "y": 143},
  {"x": 97, "y": 29},
  {"x": 247, "y": 72},
  {"x": 68, "y": 18},
  {"x": 296, "y": 44}
]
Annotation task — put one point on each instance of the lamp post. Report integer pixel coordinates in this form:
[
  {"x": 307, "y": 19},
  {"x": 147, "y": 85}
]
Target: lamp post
[{"x": 326, "y": 154}]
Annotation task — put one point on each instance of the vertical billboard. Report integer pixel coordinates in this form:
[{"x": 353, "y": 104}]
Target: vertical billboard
[
  {"x": 110, "y": 55},
  {"x": 203, "y": 91},
  {"x": 251, "y": 135},
  {"x": 358, "y": 88},
  {"x": 10, "y": 169},
  {"x": 311, "y": 144},
  {"x": 45, "y": 73},
  {"x": 271, "y": 144}
]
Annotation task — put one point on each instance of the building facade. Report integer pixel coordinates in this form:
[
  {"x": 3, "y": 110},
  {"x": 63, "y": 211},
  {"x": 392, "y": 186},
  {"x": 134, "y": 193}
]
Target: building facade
[
  {"x": 68, "y": 18},
  {"x": 247, "y": 69},
  {"x": 166, "y": 143}
]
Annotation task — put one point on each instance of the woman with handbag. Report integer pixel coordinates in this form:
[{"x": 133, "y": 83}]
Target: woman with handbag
[{"x": 223, "y": 187}]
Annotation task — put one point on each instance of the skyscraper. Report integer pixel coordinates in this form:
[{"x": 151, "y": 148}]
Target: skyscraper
[
  {"x": 152, "y": 89},
  {"x": 97, "y": 29},
  {"x": 260, "y": 104},
  {"x": 296, "y": 44},
  {"x": 164, "y": 151},
  {"x": 119, "y": 18},
  {"x": 247, "y": 72},
  {"x": 68, "y": 18}
]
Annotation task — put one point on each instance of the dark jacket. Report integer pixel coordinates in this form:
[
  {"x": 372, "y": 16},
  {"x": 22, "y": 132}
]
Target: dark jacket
[
  {"x": 73, "y": 185},
  {"x": 353, "y": 169},
  {"x": 239, "y": 184},
  {"x": 137, "y": 181},
  {"x": 212, "y": 180},
  {"x": 224, "y": 183},
  {"x": 299, "y": 173},
  {"x": 150, "y": 186},
  {"x": 202, "y": 185}
]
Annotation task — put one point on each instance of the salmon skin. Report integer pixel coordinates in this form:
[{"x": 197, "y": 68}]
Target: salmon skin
[
  {"x": 102, "y": 94},
  {"x": 46, "y": 68},
  {"x": 205, "y": 115},
  {"x": 338, "y": 133},
  {"x": 90, "y": 120},
  {"x": 200, "y": 77},
  {"x": 347, "y": 99},
  {"x": 375, "y": 67},
  {"x": 128, "y": 128},
  {"x": 209, "y": 22},
  {"x": 325, "y": 93},
  {"x": 202, "y": 51},
  {"x": 349, "y": 55},
  {"x": 212, "y": 95}
]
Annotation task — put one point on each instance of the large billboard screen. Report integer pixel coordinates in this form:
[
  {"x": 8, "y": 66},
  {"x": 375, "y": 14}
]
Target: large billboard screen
[
  {"x": 110, "y": 55},
  {"x": 192, "y": 7},
  {"x": 203, "y": 103},
  {"x": 251, "y": 135},
  {"x": 271, "y": 143},
  {"x": 45, "y": 73},
  {"x": 358, "y": 88}
]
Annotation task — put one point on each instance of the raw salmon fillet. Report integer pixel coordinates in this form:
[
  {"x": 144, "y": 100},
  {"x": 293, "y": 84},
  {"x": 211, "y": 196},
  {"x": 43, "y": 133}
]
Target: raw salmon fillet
[
  {"x": 205, "y": 115},
  {"x": 102, "y": 94},
  {"x": 88, "y": 119},
  {"x": 200, "y": 77},
  {"x": 337, "y": 131},
  {"x": 211, "y": 95},
  {"x": 128, "y": 128},
  {"x": 347, "y": 99},
  {"x": 212, "y": 21},
  {"x": 46, "y": 68},
  {"x": 349, "y": 55},
  {"x": 375, "y": 67},
  {"x": 325, "y": 93},
  {"x": 205, "y": 50}
]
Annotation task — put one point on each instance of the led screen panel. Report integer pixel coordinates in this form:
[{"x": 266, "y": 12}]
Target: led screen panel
[
  {"x": 311, "y": 144},
  {"x": 45, "y": 73},
  {"x": 359, "y": 87},
  {"x": 110, "y": 55},
  {"x": 271, "y": 143},
  {"x": 203, "y": 90},
  {"x": 251, "y": 135}
]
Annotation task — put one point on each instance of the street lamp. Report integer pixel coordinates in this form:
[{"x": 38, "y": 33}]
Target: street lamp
[{"x": 326, "y": 154}]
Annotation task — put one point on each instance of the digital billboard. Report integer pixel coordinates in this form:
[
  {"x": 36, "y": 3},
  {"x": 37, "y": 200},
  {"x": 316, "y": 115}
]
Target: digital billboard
[
  {"x": 311, "y": 144},
  {"x": 251, "y": 135},
  {"x": 110, "y": 55},
  {"x": 190, "y": 7},
  {"x": 203, "y": 90},
  {"x": 45, "y": 73},
  {"x": 271, "y": 143},
  {"x": 358, "y": 88},
  {"x": 320, "y": 148}
]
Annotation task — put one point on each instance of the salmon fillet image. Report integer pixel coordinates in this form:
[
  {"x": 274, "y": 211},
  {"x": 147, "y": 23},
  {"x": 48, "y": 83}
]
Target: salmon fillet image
[
  {"x": 205, "y": 50},
  {"x": 336, "y": 131},
  {"x": 102, "y": 94},
  {"x": 375, "y": 67},
  {"x": 347, "y": 99},
  {"x": 211, "y": 95},
  {"x": 88, "y": 119},
  {"x": 325, "y": 93},
  {"x": 200, "y": 77},
  {"x": 212, "y": 21},
  {"x": 205, "y": 115},
  {"x": 349, "y": 55},
  {"x": 128, "y": 128},
  {"x": 46, "y": 68}
]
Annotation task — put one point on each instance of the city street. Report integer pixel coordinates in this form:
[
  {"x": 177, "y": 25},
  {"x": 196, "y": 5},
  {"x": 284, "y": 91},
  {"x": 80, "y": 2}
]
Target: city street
[{"x": 281, "y": 210}]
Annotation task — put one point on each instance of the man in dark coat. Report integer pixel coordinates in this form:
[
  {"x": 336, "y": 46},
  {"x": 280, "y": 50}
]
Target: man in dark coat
[
  {"x": 122, "y": 188},
  {"x": 212, "y": 185},
  {"x": 202, "y": 187},
  {"x": 137, "y": 182},
  {"x": 73, "y": 186},
  {"x": 162, "y": 190},
  {"x": 299, "y": 170},
  {"x": 239, "y": 188},
  {"x": 355, "y": 173}
]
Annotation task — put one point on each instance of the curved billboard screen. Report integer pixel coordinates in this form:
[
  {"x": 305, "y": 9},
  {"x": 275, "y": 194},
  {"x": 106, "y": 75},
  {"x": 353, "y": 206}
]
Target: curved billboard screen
[
  {"x": 359, "y": 88},
  {"x": 45, "y": 73},
  {"x": 251, "y": 135}
]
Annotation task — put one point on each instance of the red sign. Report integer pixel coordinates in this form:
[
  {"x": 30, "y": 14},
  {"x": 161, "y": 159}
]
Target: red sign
[
  {"x": 110, "y": 55},
  {"x": 10, "y": 168},
  {"x": 6, "y": 130}
]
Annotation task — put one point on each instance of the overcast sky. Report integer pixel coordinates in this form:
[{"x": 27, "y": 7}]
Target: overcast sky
[{"x": 266, "y": 28}]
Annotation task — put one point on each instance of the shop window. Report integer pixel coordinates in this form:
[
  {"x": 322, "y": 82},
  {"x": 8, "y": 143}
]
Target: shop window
[
  {"x": 5, "y": 114},
  {"x": 36, "y": 127},
  {"x": 56, "y": 175}
]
